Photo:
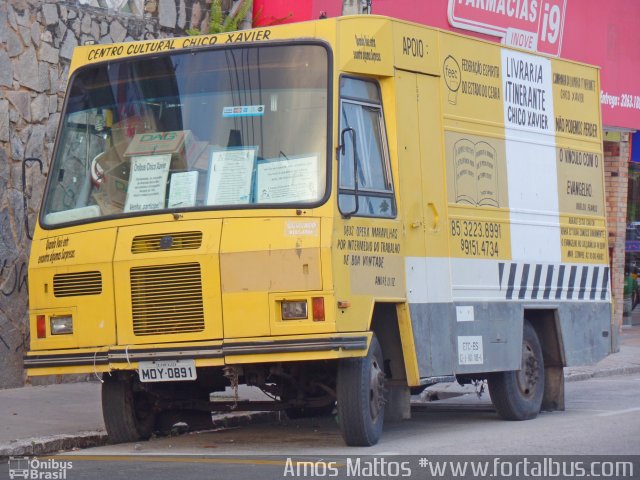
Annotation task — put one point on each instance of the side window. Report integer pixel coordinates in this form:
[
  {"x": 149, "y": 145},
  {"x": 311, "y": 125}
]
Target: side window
[{"x": 370, "y": 192}]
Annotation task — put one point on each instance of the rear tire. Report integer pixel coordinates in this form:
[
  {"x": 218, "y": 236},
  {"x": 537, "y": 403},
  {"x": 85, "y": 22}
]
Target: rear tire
[
  {"x": 360, "y": 392},
  {"x": 128, "y": 414},
  {"x": 517, "y": 395}
]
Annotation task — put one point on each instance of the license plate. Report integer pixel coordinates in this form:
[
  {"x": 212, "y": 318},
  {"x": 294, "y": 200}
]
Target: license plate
[{"x": 167, "y": 370}]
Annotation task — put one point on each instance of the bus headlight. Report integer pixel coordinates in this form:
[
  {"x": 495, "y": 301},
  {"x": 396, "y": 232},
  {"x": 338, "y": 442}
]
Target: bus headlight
[
  {"x": 61, "y": 325},
  {"x": 294, "y": 310}
]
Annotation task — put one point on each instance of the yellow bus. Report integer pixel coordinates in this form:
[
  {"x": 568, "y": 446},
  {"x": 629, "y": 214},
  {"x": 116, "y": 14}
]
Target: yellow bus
[{"x": 340, "y": 212}]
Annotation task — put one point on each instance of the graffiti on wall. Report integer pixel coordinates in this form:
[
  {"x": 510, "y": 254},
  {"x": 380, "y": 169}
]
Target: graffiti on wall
[{"x": 15, "y": 279}]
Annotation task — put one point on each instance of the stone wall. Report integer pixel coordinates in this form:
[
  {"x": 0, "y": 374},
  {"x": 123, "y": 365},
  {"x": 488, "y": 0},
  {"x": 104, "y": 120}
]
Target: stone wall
[{"x": 37, "y": 38}]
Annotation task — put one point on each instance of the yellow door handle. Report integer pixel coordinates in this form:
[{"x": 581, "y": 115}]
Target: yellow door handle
[{"x": 436, "y": 217}]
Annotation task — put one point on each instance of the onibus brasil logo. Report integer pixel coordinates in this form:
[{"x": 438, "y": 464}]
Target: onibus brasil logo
[{"x": 40, "y": 469}]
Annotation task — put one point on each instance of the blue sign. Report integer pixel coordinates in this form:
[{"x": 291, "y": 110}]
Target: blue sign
[
  {"x": 635, "y": 147},
  {"x": 632, "y": 246}
]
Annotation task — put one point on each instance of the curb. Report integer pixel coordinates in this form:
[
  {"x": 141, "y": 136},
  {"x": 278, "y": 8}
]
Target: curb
[
  {"x": 39, "y": 446},
  {"x": 52, "y": 443},
  {"x": 605, "y": 372},
  {"x": 578, "y": 375},
  {"x": 229, "y": 420}
]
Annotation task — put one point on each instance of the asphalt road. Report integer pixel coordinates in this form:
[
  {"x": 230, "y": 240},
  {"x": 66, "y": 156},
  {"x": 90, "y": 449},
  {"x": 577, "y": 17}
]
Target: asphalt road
[{"x": 602, "y": 418}]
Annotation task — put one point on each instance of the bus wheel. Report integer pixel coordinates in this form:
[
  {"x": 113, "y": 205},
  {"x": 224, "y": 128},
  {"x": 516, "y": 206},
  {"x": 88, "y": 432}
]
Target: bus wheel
[
  {"x": 128, "y": 414},
  {"x": 360, "y": 393},
  {"x": 517, "y": 395}
]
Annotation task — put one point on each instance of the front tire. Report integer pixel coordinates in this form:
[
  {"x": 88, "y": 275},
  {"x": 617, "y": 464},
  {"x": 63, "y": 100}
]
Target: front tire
[
  {"x": 517, "y": 395},
  {"x": 360, "y": 393},
  {"x": 128, "y": 414}
]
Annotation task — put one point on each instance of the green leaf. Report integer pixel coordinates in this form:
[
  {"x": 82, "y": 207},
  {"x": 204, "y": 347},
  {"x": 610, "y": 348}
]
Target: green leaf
[{"x": 219, "y": 24}]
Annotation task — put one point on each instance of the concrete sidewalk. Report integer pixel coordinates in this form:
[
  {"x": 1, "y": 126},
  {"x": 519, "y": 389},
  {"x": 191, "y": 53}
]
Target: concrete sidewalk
[
  {"x": 45, "y": 419},
  {"x": 627, "y": 360}
]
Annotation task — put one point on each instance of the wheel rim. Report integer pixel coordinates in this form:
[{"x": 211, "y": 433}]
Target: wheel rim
[
  {"x": 529, "y": 374},
  {"x": 376, "y": 390}
]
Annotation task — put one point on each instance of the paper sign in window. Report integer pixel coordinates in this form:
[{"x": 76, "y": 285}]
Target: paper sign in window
[
  {"x": 287, "y": 180},
  {"x": 230, "y": 176},
  {"x": 183, "y": 189},
  {"x": 147, "y": 183}
]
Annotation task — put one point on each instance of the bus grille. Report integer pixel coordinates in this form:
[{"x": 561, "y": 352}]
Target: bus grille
[
  {"x": 77, "y": 284},
  {"x": 166, "y": 241},
  {"x": 167, "y": 299}
]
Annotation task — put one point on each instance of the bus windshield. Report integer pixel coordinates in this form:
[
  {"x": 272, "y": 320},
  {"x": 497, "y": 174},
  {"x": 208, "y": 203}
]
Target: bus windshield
[{"x": 226, "y": 128}]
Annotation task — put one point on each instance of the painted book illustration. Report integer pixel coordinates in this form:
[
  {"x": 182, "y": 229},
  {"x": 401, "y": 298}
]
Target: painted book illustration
[{"x": 476, "y": 180}]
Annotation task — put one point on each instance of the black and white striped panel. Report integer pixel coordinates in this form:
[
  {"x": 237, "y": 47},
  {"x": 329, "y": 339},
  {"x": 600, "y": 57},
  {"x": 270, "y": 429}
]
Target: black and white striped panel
[{"x": 528, "y": 281}]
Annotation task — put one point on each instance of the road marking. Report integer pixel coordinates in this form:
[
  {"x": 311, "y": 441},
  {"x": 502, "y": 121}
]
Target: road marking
[
  {"x": 596, "y": 411},
  {"x": 161, "y": 458},
  {"x": 618, "y": 412}
]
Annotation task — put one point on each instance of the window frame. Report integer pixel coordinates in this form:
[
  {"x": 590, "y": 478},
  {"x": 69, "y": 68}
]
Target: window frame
[
  {"x": 387, "y": 171},
  {"x": 194, "y": 50}
]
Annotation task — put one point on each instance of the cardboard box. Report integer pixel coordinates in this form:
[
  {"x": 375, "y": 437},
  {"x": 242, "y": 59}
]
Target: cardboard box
[
  {"x": 124, "y": 130},
  {"x": 115, "y": 163},
  {"x": 198, "y": 157},
  {"x": 107, "y": 207},
  {"x": 180, "y": 144},
  {"x": 115, "y": 169}
]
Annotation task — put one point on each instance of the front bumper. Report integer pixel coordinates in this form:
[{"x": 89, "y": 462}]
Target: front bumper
[{"x": 205, "y": 354}]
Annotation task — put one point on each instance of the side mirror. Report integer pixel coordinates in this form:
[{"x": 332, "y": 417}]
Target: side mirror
[{"x": 342, "y": 151}]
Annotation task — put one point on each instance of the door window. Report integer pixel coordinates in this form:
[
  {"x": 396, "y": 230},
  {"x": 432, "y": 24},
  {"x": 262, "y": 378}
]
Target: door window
[{"x": 365, "y": 150}]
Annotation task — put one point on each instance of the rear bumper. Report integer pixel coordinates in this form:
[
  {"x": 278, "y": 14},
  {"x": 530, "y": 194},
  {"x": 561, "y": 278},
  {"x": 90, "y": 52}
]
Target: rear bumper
[{"x": 236, "y": 351}]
